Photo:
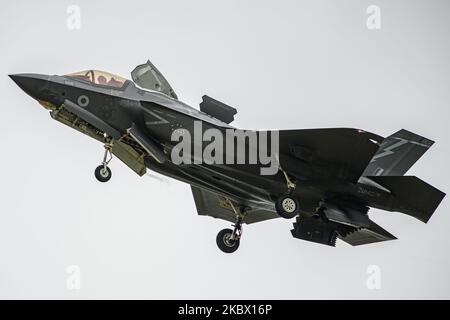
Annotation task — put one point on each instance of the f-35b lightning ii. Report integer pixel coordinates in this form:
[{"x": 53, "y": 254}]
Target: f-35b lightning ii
[{"x": 326, "y": 178}]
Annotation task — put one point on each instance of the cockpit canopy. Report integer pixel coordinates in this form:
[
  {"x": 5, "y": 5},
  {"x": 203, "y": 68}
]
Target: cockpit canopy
[{"x": 99, "y": 77}]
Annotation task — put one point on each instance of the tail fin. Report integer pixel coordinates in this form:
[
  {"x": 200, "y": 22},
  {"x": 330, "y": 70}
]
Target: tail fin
[
  {"x": 397, "y": 153},
  {"x": 412, "y": 195}
]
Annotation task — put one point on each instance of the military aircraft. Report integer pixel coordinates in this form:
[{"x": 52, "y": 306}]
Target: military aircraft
[{"x": 326, "y": 178}]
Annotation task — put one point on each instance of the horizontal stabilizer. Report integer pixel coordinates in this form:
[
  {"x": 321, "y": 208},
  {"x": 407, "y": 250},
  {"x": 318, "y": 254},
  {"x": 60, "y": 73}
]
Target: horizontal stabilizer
[
  {"x": 373, "y": 233},
  {"x": 364, "y": 230},
  {"x": 397, "y": 153},
  {"x": 412, "y": 195},
  {"x": 350, "y": 225},
  {"x": 355, "y": 216}
]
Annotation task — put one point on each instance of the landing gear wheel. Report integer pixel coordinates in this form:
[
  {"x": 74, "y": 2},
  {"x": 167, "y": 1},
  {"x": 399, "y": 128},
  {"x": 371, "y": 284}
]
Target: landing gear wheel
[
  {"x": 287, "y": 206},
  {"x": 102, "y": 173},
  {"x": 225, "y": 242}
]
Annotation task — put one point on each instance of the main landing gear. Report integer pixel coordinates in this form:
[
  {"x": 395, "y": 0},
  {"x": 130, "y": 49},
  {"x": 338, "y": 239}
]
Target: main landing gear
[
  {"x": 228, "y": 240},
  {"x": 103, "y": 172},
  {"x": 287, "y": 205}
]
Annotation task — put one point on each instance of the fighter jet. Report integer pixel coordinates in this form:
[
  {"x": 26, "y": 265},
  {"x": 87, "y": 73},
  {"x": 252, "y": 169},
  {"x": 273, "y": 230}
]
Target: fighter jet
[{"x": 327, "y": 179}]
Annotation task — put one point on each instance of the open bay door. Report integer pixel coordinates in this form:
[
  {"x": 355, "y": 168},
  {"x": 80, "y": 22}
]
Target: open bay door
[{"x": 148, "y": 76}]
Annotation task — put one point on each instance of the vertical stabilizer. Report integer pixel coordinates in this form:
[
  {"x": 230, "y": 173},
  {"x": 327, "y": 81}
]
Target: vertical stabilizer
[{"x": 397, "y": 153}]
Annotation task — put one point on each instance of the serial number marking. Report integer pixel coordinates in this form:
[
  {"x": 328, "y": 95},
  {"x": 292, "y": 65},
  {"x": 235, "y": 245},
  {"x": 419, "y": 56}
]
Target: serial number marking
[
  {"x": 370, "y": 193},
  {"x": 243, "y": 309}
]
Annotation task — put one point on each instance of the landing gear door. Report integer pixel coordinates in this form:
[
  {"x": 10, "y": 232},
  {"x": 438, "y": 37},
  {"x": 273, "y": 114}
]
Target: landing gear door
[{"x": 147, "y": 76}]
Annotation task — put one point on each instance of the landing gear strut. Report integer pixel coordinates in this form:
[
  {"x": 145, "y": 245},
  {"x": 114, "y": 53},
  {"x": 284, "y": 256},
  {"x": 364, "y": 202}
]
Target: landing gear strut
[
  {"x": 103, "y": 172},
  {"x": 287, "y": 205},
  {"x": 228, "y": 240}
]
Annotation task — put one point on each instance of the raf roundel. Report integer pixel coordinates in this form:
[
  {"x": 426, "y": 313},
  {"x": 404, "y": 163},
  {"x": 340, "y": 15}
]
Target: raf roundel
[{"x": 83, "y": 101}]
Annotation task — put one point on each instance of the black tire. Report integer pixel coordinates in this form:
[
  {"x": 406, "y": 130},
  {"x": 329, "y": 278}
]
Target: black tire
[
  {"x": 227, "y": 246},
  {"x": 101, "y": 175},
  {"x": 287, "y": 206}
]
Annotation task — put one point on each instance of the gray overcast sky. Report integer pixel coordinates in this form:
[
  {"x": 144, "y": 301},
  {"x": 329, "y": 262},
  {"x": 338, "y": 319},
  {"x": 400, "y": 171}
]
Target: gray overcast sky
[{"x": 282, "y": 64}]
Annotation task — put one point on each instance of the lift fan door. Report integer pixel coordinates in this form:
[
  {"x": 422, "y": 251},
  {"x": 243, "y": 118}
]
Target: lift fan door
[{"x": 148, "y": 76}]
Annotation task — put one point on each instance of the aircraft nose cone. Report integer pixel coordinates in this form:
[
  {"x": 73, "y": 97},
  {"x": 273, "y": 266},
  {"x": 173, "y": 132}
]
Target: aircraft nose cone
[
  {"x": 32, "y": 84},
  {"x": 18, "y": 79}
]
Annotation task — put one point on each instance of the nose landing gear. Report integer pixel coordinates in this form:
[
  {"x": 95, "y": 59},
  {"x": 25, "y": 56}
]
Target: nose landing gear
[
  {"x": 103, "y": 172},
  {"x": 228, "y": 240}
]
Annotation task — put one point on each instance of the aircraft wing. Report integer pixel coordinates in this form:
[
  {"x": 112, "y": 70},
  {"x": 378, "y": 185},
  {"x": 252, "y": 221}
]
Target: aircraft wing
[
  {"x": 214, "y": 205},
  {"x": 336, "y": 153},
  {"x": 148, "y": 76}
]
